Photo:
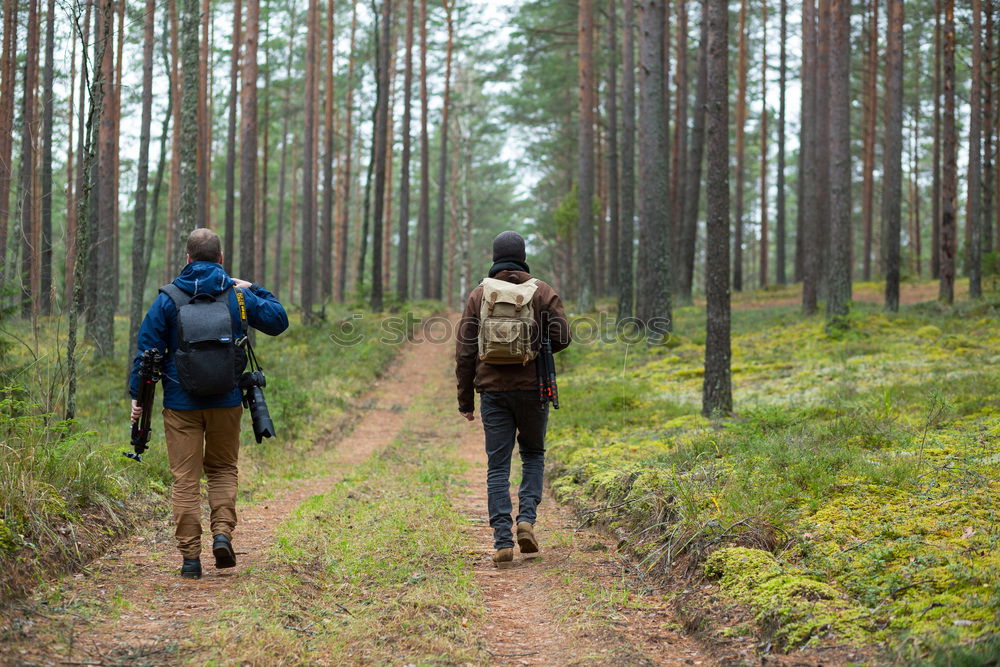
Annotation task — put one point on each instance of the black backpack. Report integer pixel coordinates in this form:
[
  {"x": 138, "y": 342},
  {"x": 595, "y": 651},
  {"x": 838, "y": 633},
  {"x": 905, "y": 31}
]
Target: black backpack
[{"x": 209, "y": 358}]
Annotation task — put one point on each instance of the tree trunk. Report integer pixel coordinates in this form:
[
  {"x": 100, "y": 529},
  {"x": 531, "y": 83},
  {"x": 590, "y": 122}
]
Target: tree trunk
[
  {"x": 914, "y": 233},
  {"x": 263, "y": 192},
  {"x": 741, "y": 121},
  {"x": 45, "y": 270},
  {"x": 653, "y": 306},
  {"x": 346, "y": 175},
  {"x": 870, "y": 116},
  {"x": 403, "y": 257},
  {"x": 326, "y": 276},
  {"x": 936, "y": 179},
  {"x": 100, "y": 324},
  {"x": 893, "y": 155},
  {"x": 204, "y": 164},
  {"x": 8, "y": 84},
  {"x": 779, "y": 257},
  {"x": 26, "y": 188},
  {"x": 283, "y": 169},
  {"x": 234, "y": 77},
  {"x": 191, "y": 198},
  {"x": 381, "y": 141},
  {"x": 585, "y": 163},
  {"x": 162, "y": 163},
  {"x": 839, "y": 279},
  {"x": 821, "y": 236},
  {"x": 248, "y": 142},
  {"x": 443, "y": 157},
  {"x": 989, "y": 62},
  {"x": 614, "y": 205},
  {"x": 692, "y": 195},
  {"x": 169, "y": 270},
  {"x": 717, "y": 393},
  {"x": 626, "y": 240},
  {"x": 949, "y": 173},
  {"x": 809, "y": 227},
  {"x": 139, "y": 234},
  {"x": 763, "y": 149},
  {"x": 678, "y": 169},
  {"x": 975, "y": 202},
  {"x": 87, "y": 160},
  {"x": 309, "y": 158},
  {"x": 70, "y": 177},
  {"x": 424, "y": 219}
]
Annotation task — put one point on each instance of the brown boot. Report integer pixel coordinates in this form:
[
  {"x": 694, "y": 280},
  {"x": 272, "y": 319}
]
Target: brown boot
[
  {"x": 526, "y": 538},
  {"x": 504, "y": 558}
]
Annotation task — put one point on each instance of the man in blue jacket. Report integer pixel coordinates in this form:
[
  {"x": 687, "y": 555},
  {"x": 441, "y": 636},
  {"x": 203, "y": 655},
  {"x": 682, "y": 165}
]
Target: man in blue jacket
[{"x": 202, "y": 431}]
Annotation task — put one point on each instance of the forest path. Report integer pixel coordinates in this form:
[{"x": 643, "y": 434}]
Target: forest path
[
  {"x": 579, "y": 602},
  {"x": 131, "y": 607}
]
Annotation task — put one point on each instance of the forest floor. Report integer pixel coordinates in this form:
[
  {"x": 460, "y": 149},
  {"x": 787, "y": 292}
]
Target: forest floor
[{"x": 381, "y": 556}]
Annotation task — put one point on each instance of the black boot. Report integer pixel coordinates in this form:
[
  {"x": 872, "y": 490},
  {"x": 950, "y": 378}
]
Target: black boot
[
  {"x": 223, "y": 550},
  {"x": 191, "y": 569}
]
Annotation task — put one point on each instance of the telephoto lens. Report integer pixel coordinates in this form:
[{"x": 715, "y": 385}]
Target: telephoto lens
[{"x": 253, "y": 400}]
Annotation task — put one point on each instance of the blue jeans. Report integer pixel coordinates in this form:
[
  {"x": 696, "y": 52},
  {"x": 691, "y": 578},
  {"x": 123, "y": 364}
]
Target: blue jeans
[{"x": 506, "y": 414}]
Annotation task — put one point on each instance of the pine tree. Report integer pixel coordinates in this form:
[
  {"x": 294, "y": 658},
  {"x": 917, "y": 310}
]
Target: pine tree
[
  {"x": 585, "y": 185},
  {"x": 839, "y": 277},
  {"x": 626, "y": 242},
  {"x": 248, "y": 142},
  {"x": 949, "y": 171},
  {"x": 893, "y": 155}
]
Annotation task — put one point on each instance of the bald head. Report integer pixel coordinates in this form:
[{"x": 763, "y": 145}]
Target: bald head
[{"x": 204, "y": 245}]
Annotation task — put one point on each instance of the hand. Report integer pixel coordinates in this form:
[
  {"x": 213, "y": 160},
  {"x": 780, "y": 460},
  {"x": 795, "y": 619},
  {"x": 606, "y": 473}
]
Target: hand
[
  {"x": 136, "y": 411},
  {"x": 469, "y": 416},
  {"x": 242, "y": 284}
]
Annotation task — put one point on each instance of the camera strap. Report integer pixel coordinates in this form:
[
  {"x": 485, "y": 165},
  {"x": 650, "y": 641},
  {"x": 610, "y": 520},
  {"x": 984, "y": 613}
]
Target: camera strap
[{"x": 245, "y": 340}]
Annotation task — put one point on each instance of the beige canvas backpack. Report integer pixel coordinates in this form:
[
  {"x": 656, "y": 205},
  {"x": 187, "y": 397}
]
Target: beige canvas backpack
[{"x": 506, "y": 322}]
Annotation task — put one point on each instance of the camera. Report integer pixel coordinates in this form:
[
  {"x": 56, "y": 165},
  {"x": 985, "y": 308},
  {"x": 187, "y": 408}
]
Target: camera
[{"x": 252, "y": 384}]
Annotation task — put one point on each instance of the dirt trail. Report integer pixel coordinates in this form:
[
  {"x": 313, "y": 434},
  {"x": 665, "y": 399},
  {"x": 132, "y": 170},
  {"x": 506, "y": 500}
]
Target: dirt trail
[
  {"x": 578, "y": 603},
  {"x": 568, "y": 605},
  {"x": 131, "y": 607}
]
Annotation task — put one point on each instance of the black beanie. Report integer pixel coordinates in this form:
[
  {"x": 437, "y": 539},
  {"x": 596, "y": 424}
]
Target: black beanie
[{"x": 508, "y": 245}]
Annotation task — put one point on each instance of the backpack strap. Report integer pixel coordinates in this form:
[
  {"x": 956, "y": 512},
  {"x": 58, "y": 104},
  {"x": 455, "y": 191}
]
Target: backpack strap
[{"x": 176, "y": 294}]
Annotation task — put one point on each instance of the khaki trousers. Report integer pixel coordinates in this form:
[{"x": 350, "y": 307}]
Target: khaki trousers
[{"x": 206, "y": 440}]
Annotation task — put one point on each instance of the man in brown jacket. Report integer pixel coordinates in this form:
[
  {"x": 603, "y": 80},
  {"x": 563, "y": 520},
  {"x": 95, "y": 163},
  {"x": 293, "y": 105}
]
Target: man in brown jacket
[{"x": 509, "y": 399}]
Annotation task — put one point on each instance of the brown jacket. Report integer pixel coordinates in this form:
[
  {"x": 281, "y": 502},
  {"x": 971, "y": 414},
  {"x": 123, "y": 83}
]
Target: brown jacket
[{"x": 474, "y": 375}]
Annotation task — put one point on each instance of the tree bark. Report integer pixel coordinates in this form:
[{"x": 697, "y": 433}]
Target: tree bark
[
  {"x": 949, "y": 171},
  {"x": 248, "y": 142},
  {"x": 780, "y": 233},
  {"x": 326, "y": 276},
  {"x": 809, "y": 228},
  {"x": 443, "y": 158},
  {"x": 763, "y": 149},
  {"x": 309, "y": 159},
  {"x": 346, "y": 175},
  {"x": 839, "y": 279},
  {"x": 717, "y": 393},
  {"x": 8, "y": 84},
  {"x": 614, "y": 202},
  {"x": 100, "y": 324},
  {"x": 585, "y": 158},
  {"x": 381, "y": 141},
  {"x": 424, "y": 219},
  {"x": 678, "y": 168},
  {"x": 975, "y": 176},
  {"x": 229, "y": 241},
  {"x": 893, "y": 155},
  {"x": 741, "y": 121},
  {"x": 45, "y": 270},
  {"x": 936, "y": 179},
  {"x": 989, "y": 62},
  {"x": 26, "y": 188},
  {"x": 653, "y": 305},
  {"x": 626, "y": 241},
  {"x": 692, "y": 196},
  {"x": 204, "y": 164},
  {"x": 403, "y": 257},
  {"x": 87, "y": 159},
  {"x": 139, "y": 234},
  {"x": 191, "y": 198},
  {"x": 870, "y": 116}
]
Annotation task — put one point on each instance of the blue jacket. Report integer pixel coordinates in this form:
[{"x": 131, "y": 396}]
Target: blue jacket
[{"x": 159, "y": 330}]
